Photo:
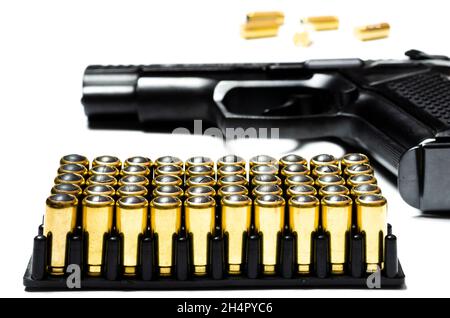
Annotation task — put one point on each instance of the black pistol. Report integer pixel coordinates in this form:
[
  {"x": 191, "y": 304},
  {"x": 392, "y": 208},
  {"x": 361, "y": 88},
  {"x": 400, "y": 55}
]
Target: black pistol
[{"x": 398, "y": 111}]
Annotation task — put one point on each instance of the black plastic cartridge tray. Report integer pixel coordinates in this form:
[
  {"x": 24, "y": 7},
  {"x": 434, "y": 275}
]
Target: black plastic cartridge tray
[{"x": 94, "y": 283}]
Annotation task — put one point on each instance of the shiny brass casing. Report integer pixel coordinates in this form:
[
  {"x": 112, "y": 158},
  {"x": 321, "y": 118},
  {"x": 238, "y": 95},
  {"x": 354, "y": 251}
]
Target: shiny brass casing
[
  {"x": 201, "y": 180},
  {"x": 333, "y": 189},
  {"x": 73, "y": 168},
  {"x": 371, "y": 211},
  {"x": 269, "y": 221},
  {"x": 263, "y": 169},
  {"x": 298, "y": 180},
  {"x": 263, "y": 160},
  {"x": 351, "y": 159},
  {"x": 275, "y": 17},
  {"x": 372, "y": 31},
  {"x": 267, "y": 189},
  {"x": 259, "y": 29},
  {"x": 353, "y": 170},
  {"x": 294, "y": 169},
  {"x": 107, "y": 160},
  {"x": 365, "y": 189},
  {"x": 200, "y": 216},
  {"x": 70, "y": 178},
  {"x": 329, "y": 179},
  {"x": 304, "y": 221},
  {"x": 131, "y": 222},
  {"x": 172, "y": 170},
  {"x": 105, "y": 170},
  {"x": 138, "y": 160},
  {"x": 232, "y": 189},
  {"x": 139, "y": 180},
  {"x": 234, "y": 179},
  {"x": 200, "y": 190},
  {"x": 322, "y": 23},
  {"x": 60, "y": 220},
  {"x": 132, "y": 190},
  {"x": 102, "y": 179},
  {"x": 358, "y": 179},
  {"x": 67, "y": 188},
  {"x": 199, "y": 161},
  {"x": 167, "y": 180},
  {"x": 97, "y": 189},
  {"x": 135, "y": 170},
  {"x": 199, "y": 170},
  {"x": 229, "y": 170},
  {"x": 322, "y": 159},
  {"x": 292, "y": 159},
  {"x": 98, "y": 211},
  {"x": 232, "y": 160},
  {"x": 301, "y": 189},
  {"x": 168, "y": 190},
  {"x": 165, "y": 216},
  {"x": 323, "y": 170},
  {"x": 74, "y": 158},
  {"x": 266, "y": 179},
  {"x": 169, "y": 160},
  {"x": 236, "y": 218},
  {"x": 337, "y": 221}
]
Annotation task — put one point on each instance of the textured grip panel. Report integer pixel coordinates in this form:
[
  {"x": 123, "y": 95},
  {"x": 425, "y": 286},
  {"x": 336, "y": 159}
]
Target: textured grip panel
[{"x": 428, "y": 91}]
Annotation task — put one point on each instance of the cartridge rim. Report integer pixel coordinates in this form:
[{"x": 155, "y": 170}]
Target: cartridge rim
[
  {"x": 200, "y": 201},
  {"x": 336, "y": 200},
  {"x": 70, "y": 178},
  {"x": 167, "y": 190},
  {"x": 232, "y": 179},
  {"x": 232, "y": 189},
  {"x": 358, "y": 179},
  {"x": 139, "y": 161},
  {"x": 267, "y": 189},
  {"x": 230, "y": 170},
  {"x": 326, "y": 169},
  {"x": 199, "y": 161},
  {"x": 68, "y": 188},
  {"x": 131, "y": 170},
  {"x": 132, "y": 202},
  {"x": 107, "y": 160},
  {"x": 169, "y": 170},
  {"x": 301, "y": 189},
  {"x": 61, "y": 200},
  {"x": 102, "y": 179},
  {"x": 167, "y": 180},
  {"x": 106, "y": 170},
  {"x": 270, "y": 200},
  {"x": 299, "y": 179},
  {"x": 200, "y": 170},
  {"x": 294, "y": 169},
  {"x": 289, "y": 159},
  {"x": 263, "y": 160},
  {"x": 165, "y": 202},
  {"x": 201, "y": 190},
  {"x": 262, "y": 179},
  {"x": 133, "y": 179},
  {"x": 200, "y": 180},
  {"x": 96, "y": 200},
  {"x": 75, "y": 158},
  {"x": 99, "y": 189},
  {"x": 236, "y": 200},
  {"x": 72, "y": 168},
  {"x": 354, "y": 158},
  {"x": 323, "y": 159},
  {"x": 363, "y": 168},
  {"x": 132, "y": 190},
  {"x": 168, "y": 160},
  {"x": 230, "y": 160},
  {"x": 330, "y": 179},
  {"x": 263, "y": 169},
  {"x": 304, "y": 200},
  {"x": 334, "y": 189},
  {"x": 371, "y": 200},
  {"x": 366, "y": 188}
]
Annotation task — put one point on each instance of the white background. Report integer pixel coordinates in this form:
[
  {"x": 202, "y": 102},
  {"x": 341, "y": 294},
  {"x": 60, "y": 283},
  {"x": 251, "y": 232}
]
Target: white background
[{"x": 45, "y": 46}]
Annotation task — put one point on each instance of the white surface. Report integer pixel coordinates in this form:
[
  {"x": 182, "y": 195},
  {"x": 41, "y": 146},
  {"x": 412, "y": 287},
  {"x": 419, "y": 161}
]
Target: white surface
[{"x": 45, "y": 46}]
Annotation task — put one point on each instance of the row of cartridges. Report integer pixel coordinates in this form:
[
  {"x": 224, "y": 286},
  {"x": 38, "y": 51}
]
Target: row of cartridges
[{"x": 161, "y": 199}]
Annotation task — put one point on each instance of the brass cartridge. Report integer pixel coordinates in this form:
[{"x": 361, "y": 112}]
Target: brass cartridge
[
  {"x": 267, "y": 189},
  {"x": 168, "y": 190},
  {"x": 358, "y": 179},
  {"x": 333, "y": 189},
  {"x": 263, "y": 169},
  {"x": 72, "y": 178},
  {"x": 365, "y": 189},
  {"x": 326, "y": 170},
  {"x": 200, "y": 171},
  {"x": 266, "y": 179},
  {"x": 229, "y": 170},
  {"x": 73, "y": 168},
  {"x": 135, "y": 170},
  {"x": 329, "y": 179},
  {"x": 98, "y": 189},
  {"x": 201, "y": 180},
  {"x": 172, "y": 170},
  {"x": 74, "y": 158},
  {"x": 232, "y": 160},
  {"x": 298, "y": 180},
  {"x": 275, "y": 17},
  {"x": 263, "y": 160},
  {"x": 373, "y": 31},
  {"x": 322, "y": 23},
  {"x": 294, "y": 169},
  {"x": 67, "y": 188},
  {"x": 132, "y": 190},
  {"x": 293, "y": 159},
  {"x": 107, "y": 161},
  {"x": 138, "y": 180},
  {"x": 301, "y": 189},
  {"x": 139, "y": 161},
  {"x": 200, "y": 190},
  {"x": 105, "y": 170},
  {"x": 167, "y": 180},
  {"x": 102, "y": 179},
  {"x": 234, "y": 179},
  {"x": 199, "y": 161},
  {"x": 232, "y": 189},
  {"x": 169, "y": 160},
  {"x": 353, "y": 170},
  {"x": 351, "y": 159}
]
